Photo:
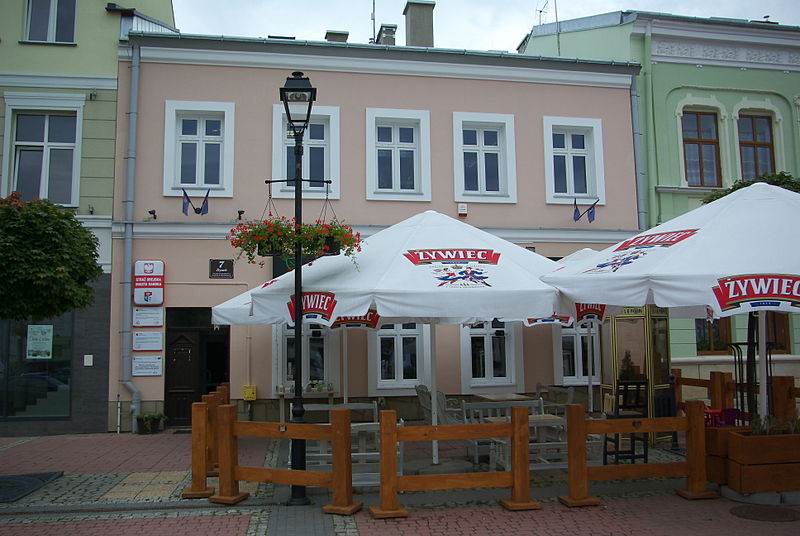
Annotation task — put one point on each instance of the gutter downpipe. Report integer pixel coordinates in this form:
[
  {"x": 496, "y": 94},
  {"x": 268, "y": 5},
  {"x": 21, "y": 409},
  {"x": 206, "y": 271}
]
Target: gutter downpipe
[
  {"x": 641, "y": 183},
  {"x": 127, "y": 262}
]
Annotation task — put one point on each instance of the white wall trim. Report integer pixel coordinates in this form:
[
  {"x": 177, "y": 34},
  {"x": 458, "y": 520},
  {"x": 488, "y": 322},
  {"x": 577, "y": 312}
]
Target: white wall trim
[
  {"x": 65, "y": 81},
  {"x": 205, "y": 56}
]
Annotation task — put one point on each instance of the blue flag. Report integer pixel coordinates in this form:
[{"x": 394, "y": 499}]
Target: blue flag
[
  {"x": 576, "y": 214},
  {"x": 591, "y": 212},
  {"x": 204, "y": 206},
  {"x": 186, "y": 203}
]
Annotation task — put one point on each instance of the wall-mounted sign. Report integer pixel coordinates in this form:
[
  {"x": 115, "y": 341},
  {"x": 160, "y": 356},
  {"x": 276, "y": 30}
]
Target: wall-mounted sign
[
  {"x": 40, "y": 342},
  {"x": 220, "y": 268},
  {"x": 148, "y": 282},
  {"x": 148, "y": 317},
  {"x": 147, "y": 365},
  {"x": 147, "y": 341}
]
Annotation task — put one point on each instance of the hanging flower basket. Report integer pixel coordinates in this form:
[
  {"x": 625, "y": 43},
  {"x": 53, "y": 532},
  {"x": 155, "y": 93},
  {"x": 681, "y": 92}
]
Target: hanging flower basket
[{"x": 278, "y": 237}]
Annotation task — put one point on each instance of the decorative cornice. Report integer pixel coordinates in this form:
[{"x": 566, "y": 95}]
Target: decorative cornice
[
  {"x": 723, "y": 53},
  {"x": 60, "y": 81},
  {"x": 239, "y": 58}
]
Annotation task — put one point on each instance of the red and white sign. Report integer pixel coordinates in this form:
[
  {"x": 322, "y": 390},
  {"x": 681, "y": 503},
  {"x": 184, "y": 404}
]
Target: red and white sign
[
  {"x": 148, "y": 282},
  {"x": 658, "y": 239},
  {"x": 315, "y": 303},
  {"x": 428, "y": 256},
  {"x": 589, "y": 311},
  {"x": 369, "y": 320},
  {"x": 765, "y": 290}
]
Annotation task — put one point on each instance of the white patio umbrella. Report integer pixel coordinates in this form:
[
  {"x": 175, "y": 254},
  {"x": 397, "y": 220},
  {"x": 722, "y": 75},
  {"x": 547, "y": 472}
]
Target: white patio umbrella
[
  {"x": 734, "y": 255},
  {"x": 429, "y": 268}
]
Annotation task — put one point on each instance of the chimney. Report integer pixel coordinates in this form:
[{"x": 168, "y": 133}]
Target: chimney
[
  {"x": 419, "y": 23},
  {"x": 386, "y": 34},
  {"x": 336, "y": 36}
]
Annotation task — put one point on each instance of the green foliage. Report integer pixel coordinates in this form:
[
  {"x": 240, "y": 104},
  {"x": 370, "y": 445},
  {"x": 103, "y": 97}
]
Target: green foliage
[
  {"x": 782, "y": 179},
  {"x": 774, "y": 426},
  {"x": 277, "y": 236},
  {"x": 48, "y": 260},
  {"x": 151, "y": 421}
]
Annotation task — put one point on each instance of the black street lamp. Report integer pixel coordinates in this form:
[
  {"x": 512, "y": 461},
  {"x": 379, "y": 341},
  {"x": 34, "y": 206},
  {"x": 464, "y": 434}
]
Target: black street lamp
[{"x": 296, "y": 93}]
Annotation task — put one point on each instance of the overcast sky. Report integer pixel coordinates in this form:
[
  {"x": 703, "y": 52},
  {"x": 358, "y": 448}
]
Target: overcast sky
[{"x": 460, "y": 24}]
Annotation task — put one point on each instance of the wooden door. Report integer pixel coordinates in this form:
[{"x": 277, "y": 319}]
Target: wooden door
[{"x": 181, "y": 384}]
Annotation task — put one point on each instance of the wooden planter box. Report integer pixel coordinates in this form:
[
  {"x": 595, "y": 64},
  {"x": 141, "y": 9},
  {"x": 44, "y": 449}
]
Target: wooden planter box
[
  {"x": 717, "y": 451},
  {"x": 758, "y": 464}
]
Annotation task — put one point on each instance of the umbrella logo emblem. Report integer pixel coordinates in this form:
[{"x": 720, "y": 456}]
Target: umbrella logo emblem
[
  {"x": 759, "y": 290},
  {"x": 458, "y": 276}
]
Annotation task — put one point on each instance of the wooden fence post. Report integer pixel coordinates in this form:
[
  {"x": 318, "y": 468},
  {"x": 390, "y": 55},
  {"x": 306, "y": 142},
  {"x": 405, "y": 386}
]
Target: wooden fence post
[
  {"x": 388, "y": 506},
  {"x": 342, "y": 466},
  {"x": 716, "y": 393},
  {"x": 224, "y": 390},
  {"x": 212, "y": 450},
  {"x": 521, "y": 487},
  {"x": 677, "y": 373},
  {"x": 696, "y": 485},
  {"x": 199, "y": 488},
  {"x": 782, "y": 394},
  {"x": 577, "y": 470},
  {"x": 228, "y": 458}
]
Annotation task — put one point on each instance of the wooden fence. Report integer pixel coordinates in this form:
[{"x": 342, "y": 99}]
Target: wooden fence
[
  {"x": 339, "y": 478},
  {"x": 722, "y": 389},
  {"x": 579, "y": 473},
  {"x": 205, "y": 455},
  {"x": 518, "y": 479}
]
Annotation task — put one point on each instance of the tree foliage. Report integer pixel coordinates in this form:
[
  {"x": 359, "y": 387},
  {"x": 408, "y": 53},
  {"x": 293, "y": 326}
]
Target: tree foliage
[
  {"x": 48, "y": 260},
  {"x": 782, "y": 179}
]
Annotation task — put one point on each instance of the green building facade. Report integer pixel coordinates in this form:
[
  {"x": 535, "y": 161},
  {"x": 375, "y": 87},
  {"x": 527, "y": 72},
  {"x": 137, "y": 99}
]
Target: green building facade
[
  {"x": 58, "y": 109},
  {"x": 718, "y": 101}
]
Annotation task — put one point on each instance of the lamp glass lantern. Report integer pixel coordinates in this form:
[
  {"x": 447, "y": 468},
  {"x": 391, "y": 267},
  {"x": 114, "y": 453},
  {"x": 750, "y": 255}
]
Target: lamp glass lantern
[{"x": 299, "y": 92}]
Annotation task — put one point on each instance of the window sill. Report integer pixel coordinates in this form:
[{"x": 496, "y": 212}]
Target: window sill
[
  {"x": 56, "y": 43},
  {"x": 484, "y": 198}
]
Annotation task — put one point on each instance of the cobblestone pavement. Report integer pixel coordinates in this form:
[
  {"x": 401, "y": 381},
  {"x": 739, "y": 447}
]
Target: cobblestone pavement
[{"x": 129, "y": 484}]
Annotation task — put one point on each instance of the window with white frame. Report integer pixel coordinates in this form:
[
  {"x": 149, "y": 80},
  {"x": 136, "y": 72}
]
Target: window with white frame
[
  {"x": 42, "y": 147},
  {"x": 490, "y": 349},
  {"x": 484, "y": 157},
  {"x": 50, "y": 21},
  {"x": 580, "y": 347},
  {"x": 398, "y": 155},
  {"x": 400, "y": 355},
  {"x": 320, "y": 153},
  {"x": 574, "y": 160},
  {"x": 320, "y": 362},
  {"x": 198, "y": 148}
]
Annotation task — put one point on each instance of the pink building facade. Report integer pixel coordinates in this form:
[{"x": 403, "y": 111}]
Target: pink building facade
[{"x": 513, "y": 141}]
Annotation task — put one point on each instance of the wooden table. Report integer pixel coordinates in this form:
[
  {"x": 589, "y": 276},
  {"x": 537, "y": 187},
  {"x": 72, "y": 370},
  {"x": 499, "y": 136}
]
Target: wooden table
[
  {"x": 282, "y": 396},
  {"x": 536, "y": 421},
  {"x": 503, "y": 397}
]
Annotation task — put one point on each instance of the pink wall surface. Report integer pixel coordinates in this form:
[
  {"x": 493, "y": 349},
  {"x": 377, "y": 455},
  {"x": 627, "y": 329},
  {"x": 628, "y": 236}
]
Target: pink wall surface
[{"x": 254, "y": 91}]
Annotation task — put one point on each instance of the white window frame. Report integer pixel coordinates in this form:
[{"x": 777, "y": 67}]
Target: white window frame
[
  {"x": 378, "y": 387},
  {"x": 21, "y": 102},
  {"x": 514, "y": 364},
  {"x": 282, "y": 332},
  {"x": 580, "y": 378},
  {"x": 504, "y": 123},
  {"x": 330, "y": 116},
  {"x": 592, "y": 129},
  {"x": 174, "y": 111},
  {"x": 51, "y": 24},
  {"x": 420, "y": 121}
]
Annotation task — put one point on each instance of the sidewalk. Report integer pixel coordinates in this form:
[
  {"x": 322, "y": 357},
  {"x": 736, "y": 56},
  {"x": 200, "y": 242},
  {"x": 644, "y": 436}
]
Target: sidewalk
[{"x": 131, "y": 485}]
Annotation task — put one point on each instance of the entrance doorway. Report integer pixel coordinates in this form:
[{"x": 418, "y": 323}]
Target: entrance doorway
[{"x": 197, "y": 360}]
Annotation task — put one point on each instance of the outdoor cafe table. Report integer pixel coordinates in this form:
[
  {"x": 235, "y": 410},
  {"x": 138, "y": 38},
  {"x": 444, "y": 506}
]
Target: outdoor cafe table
[
  {"x": 503, "y": 397},
  {"x": 537, "y": 422}
]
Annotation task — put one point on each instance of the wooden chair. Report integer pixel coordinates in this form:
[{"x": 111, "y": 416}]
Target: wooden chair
[{"x": 630, "y": 401}]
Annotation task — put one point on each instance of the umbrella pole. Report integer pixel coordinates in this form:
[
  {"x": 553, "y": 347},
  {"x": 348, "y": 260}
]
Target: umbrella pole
[
  {"x": 344, "y": 365},
  {"x": 434, "y": 394},
  {"x": 762, "y": 364},
  {"x": 590, "y": 366}
]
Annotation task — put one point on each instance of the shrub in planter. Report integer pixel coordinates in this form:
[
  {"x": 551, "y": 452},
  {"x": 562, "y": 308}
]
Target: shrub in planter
[{"x": 150, "y": 423}]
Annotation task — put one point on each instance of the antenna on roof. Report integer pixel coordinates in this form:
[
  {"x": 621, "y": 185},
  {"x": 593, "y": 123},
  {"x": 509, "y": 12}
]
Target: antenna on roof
[
  {"x": 374, "y": 36},
  {"x": 542, "y": 11}
]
